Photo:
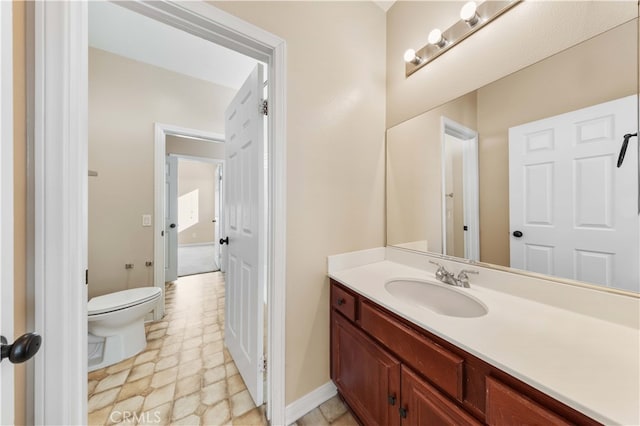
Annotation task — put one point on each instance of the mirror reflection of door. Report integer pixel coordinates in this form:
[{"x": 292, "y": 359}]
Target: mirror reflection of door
[{"x": 460, "y": 210}]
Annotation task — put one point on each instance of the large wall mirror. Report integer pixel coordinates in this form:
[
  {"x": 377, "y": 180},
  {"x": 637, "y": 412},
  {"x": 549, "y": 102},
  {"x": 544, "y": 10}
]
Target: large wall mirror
[{"x": 522, "y": 172}]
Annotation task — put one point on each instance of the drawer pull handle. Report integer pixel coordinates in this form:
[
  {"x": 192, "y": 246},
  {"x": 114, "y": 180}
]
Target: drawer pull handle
[
  {"x": 392, "y": 399},
  {"x": 403, "y": 412},
  {"x": 341, "y": 302}
]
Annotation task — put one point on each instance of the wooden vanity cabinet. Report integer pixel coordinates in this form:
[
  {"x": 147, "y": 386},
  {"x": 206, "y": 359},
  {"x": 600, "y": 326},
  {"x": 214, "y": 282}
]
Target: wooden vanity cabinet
[{"x": 391, "y": 372}]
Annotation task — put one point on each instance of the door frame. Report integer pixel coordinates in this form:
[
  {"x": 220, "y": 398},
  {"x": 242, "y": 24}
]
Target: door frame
[
  {"x": 161, "y": 131},
  {"x": 7, "y": 401},
  {"x": 471, "y": 193},
  {"x": 60, "y": 182}
]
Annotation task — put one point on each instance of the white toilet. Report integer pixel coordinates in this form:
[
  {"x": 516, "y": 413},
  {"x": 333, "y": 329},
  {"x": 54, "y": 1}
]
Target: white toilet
[{"x": 116, "y": 324}]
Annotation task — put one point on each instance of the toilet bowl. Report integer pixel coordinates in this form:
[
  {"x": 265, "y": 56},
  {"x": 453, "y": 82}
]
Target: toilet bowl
[{"x": 116, "y": 325}]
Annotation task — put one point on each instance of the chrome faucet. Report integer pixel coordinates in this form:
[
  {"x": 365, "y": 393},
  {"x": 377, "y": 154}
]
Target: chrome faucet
[{"x": 444, "y": 276}]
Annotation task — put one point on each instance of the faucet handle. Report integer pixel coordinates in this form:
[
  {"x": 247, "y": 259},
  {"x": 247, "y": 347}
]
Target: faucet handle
[{"x": 463, "y": 274}]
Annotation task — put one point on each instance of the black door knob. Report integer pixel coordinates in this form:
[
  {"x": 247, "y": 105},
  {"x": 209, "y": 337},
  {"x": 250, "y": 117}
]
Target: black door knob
[
  {"x": 224, "y": 241},
  {"x": 517, "y": 234},
  {"x": 173, "y": 225},
  {"x": 23, "y": 349}
]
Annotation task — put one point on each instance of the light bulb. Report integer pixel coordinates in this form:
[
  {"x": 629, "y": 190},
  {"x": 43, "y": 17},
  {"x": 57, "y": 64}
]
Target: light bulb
[
  {"x": 469, "y": 14},
  {"x": 436, "y": 38},
  {"x": 410, "y": 55}
]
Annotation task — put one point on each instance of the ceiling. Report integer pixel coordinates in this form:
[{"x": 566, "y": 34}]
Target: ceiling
[
  {"x": 384, "y": 4},
  {"x": 120, "y": 31}
]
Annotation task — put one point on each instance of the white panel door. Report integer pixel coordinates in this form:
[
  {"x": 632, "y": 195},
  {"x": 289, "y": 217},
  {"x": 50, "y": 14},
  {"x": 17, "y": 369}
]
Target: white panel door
[
  {"x": 6, "y": 214},
  {"x": 577, "y": 212},
  {"x": 171, "y": 220},
  {"x": 244, "y": 179}
]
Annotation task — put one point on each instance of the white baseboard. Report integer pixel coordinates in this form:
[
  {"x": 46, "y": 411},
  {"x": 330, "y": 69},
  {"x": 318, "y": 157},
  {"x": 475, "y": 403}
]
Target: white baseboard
[
  {"x": 206, "y": 243},
  {"x": 302, "y": 406}
]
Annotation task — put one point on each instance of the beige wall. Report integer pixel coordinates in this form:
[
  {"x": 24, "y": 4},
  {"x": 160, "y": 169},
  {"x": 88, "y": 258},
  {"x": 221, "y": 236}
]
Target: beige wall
[
  {"x": 20, "y": 199},
  {"x": 414, "y": 173},
  {"x": 200, "y": 176},
  {"x": 126, "y": 98},
  {"x": 544, "y": 27},
  {"x": 194, "y": 147},
  {"x": 335, "y": 158}
]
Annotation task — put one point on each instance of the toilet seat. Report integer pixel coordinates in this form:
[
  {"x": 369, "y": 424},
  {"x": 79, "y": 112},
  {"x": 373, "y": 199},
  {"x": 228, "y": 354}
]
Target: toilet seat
[{"x": 121, "y": 300}]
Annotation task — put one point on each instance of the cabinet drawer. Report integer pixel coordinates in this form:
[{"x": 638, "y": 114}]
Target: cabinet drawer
[
  {"x": 343, "y": 302},
  {"x": 441, "y": 367},
  {"x": 508, "y": 407}
]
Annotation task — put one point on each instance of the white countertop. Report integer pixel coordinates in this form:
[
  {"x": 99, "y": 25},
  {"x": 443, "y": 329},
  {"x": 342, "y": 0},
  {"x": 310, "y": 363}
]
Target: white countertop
[{"x": 589, "y": 364}]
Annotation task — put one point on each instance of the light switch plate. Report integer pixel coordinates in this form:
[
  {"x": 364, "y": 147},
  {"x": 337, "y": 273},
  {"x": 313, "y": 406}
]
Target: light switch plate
[{"x": 146, "y": 220}]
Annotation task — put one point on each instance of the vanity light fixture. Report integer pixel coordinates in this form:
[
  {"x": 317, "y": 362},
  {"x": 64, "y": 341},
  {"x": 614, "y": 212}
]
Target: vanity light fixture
[
  {"x": 411, "y": 57},
  {"x": 469, "y": 13},
  {"x": 473, "y": 16}
]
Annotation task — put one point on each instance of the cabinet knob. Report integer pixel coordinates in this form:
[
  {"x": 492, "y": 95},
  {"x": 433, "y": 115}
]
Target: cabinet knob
[
  {"x": 341, "y": 302},
  {"x": 403, "y": 412},
  {"x": 392, "y": 399}
]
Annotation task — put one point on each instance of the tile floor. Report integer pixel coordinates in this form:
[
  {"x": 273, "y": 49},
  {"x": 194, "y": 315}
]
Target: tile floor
[{"x": 185, "y": 376}]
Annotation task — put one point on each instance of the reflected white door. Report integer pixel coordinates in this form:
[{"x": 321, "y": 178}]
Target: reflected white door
[
  {"x": 171, "y": 220},
  {"x": 577, "y": 212},
  {"x": 244, "y": 179},
  {"x": 6, "y": 212}
]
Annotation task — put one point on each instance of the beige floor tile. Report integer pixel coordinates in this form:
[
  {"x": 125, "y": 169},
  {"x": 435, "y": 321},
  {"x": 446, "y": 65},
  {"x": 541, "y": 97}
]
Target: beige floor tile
[
  {"x": 217, "y": 415},
  {"x": 158, "y": 416},
  {"x": 158, "y": 325},
  {"x": 232, "y": 370},
  {"x": 189, "y": 368},
  {"x": 190, "y": 354},
  {"x": 98, "y": 374},
  {"x": 91, "y": 386},
  {"x": 254, "y": 417},
  {"x": 159, "y": 396},
  {"x": 313, "y": 418},
  {"x": 213, "y": 360},
  {"x": 102, "y": 399},
  {"x": 154, "y": 344},
  {"x": 193, "y": 331},
  {"x": 156, "y": 334},
  {"x": 167, "y": 362},
  {"x": 214, "y": 393},
  {"x": 124, "y": 411},
  {"x": 192, "y": 420},
  {"x": 333, "y": 409},
  {"x": 241, "y": 403},
  {"x": 146, "y": 357},
  {"x": 122, "y": 365},
  {"x": 346, "y": 420},
  {"x": 164, "y": 377},
  {"x": 186, "y": 406},
  {"x": 193, "y": 342},
  {"x": 215, "y": 374},
  {"x": 188, "y": 385},
  {"x": 170, "y": 349},
  {"x": 235, "y": 384},
  {"x": 139, "y": 387},
  {"x": 213, "y": 347},
  {"x": 140, "y": 371},
  {"x": 99, "y": 417},
  {"x": 112, "y": 381}
]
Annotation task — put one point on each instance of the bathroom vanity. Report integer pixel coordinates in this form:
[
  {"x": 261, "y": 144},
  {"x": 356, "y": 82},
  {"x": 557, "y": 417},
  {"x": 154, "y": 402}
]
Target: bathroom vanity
[{"x": 523, "y": 361}]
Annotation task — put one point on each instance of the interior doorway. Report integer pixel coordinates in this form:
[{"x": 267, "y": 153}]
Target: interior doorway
[{"x": 61, "y": 377}]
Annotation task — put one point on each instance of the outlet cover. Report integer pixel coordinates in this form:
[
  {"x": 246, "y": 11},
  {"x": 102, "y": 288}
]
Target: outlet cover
[{"x": 146, "y": 220}]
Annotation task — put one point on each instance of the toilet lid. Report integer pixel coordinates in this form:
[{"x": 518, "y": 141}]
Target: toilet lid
[{"x": 121, "y": 299}]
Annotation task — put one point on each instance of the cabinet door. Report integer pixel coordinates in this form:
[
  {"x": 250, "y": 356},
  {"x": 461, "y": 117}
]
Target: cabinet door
[
  {"x": 367, "y": 377},
  {"x": 422, "y": 404}
]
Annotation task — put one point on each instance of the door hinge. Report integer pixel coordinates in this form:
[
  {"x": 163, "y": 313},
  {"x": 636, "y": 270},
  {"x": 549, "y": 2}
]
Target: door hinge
[
  {"x": 263, "y": 363},
  {"x": 86, "y": 277},
  {"x": 264, "y": 107},
  {"x": 403, "y": 412}
]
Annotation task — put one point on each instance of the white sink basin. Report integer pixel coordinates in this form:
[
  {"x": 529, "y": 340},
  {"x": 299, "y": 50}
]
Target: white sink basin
[{"x": 439, "y": 298}]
